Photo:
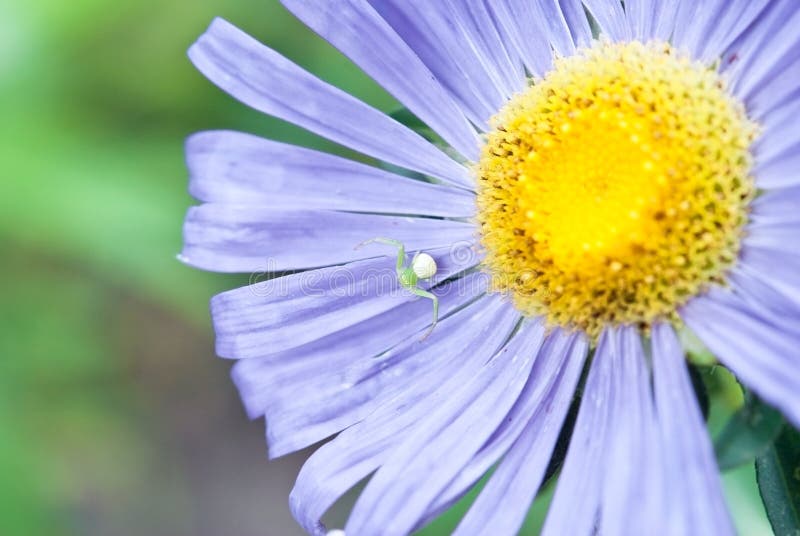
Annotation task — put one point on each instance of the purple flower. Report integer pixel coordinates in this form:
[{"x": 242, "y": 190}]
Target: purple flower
[{"x": 595, "y": 196}]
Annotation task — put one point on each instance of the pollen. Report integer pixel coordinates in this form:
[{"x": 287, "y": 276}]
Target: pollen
[{"x": 615, "y": 188}]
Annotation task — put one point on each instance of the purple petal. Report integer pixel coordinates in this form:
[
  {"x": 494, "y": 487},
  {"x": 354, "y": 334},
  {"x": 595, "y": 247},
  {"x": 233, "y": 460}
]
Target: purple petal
[
  {"x": 765, "y": 299},
  {"x": 554, "y": 25},
  {"x": 577, "y": 498},
  {"x": 783, "y": 237},
  {"x": 231, "y": 167},
  {"x": 362, "y": 448},
  {"x": 686, "y": 16},
  {"x": 265, "y": 80},
  {"x": 772, "y": 45},
  {"x": 317, "y": 365},
  {"x": 475, "y": 19},
  {"x": 439, "y": 446},
  {"x": 545, "y": 372},
  {"x": 705, "y": 18},
  {"x": 664, "y": 18},
  {"x": 285, "y": 313},
  {"x": 775, "y": 122},
  {"x": 781, "y": 172},
  {"x": 780, "y": 137},
  {"x": 779, "y": 270},
  {"x": 242, "y": 238},
  {"x": 641, "y": 16},
  {"x": 577, "y": 22},
  {"x": 777, "y": 151},
  {"x": 610, "y": 18},
  {"x": 716, "y": 24},
  {"x": 435, "y": 33},
  {"x": 761, "y": 353},
  {"x": 503, "y": 504},
  {"x": 687, "y": 454},
  {"x": 304, "y": 412},
  {"x": 777, "y": 206},
  {"x": 726, "y": 26},
  {"x": 357, "y": 30},
  {"x": 781, "y": 93},
  {"x": 520, "y": 29},
  {"x": 760, "y": 49},
  {"x": 611, "y": 482},
  {"x": 633, "y": 484}
]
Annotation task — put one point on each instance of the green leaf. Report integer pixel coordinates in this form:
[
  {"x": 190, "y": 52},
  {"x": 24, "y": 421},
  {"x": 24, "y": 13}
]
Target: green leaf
[
  {"x": 778, "y": 475},
  {"x": 748, "y": 434}
]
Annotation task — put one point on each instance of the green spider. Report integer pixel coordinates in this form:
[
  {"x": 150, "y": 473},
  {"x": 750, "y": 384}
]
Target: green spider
[{"x": 422, "y": 267}]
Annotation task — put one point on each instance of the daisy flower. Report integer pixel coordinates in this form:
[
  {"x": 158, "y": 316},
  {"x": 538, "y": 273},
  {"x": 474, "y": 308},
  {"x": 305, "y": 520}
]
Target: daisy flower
[{"x": 603, "y": 176}]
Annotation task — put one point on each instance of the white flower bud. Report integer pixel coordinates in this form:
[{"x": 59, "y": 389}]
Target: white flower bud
[{"x": 424, "y": 266}]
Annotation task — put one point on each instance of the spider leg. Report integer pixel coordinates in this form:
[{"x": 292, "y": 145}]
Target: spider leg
[
  {"x": 425, "y": 294},
  {"x": 401, "y": 249}
]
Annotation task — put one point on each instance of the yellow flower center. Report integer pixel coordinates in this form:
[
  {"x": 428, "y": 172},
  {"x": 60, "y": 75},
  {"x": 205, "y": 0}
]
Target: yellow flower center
[{"x": 616, "y": 188}]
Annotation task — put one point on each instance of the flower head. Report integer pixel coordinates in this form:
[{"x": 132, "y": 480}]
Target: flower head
[{"x": 596, "y": 195}]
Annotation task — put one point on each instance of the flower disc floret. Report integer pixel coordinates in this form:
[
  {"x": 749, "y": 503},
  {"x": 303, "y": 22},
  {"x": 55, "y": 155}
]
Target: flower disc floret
[{"x": 616, "y": 188}]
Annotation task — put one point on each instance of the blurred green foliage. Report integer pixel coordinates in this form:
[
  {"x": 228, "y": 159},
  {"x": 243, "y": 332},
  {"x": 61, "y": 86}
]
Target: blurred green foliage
[{"x": 96, "y": 98}]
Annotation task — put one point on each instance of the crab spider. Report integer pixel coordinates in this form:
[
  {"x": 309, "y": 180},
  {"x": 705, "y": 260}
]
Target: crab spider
[{"x": 422, "y": 267}]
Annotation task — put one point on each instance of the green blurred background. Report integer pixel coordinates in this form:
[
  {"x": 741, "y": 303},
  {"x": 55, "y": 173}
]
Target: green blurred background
[{"x": 115, "y": 417}]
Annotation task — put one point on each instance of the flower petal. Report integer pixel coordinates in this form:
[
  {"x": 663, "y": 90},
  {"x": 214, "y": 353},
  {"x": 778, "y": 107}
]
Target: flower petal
[
  {"x": 641, "y": 16},
  {"x": 727, "y": 25},
  {"x": 768, "y": 301},
  {"x": 763, "y": 354},
  {"x": 781, "y": 172},
  {"x": 633, "y": 483},
  {"x": 777, "y": 153},
  {"x": 362, "y": 448},
  {"x": 762, "y": 49},
  {"x": 781, "y": 93},
  {"x": 320, "y": 364},
  {"x": 475, "y": 18},
  {"x": 520, "y": 29},
  {"x": 778, "y": 49},
  {"x": 265, "y": 80},
  {"x": 610, "y": 17},
  {"x": 688, "y": 14},
  {"x": 237, "y": 168},
  {"x": 780, "y": 134},
  {"x": 715, "y": 25},
  {"x": 360, "y": 33},
  {"x": 577, "y": 497},
  {"x": 778, "y": 269},
  {"x": 439, "y": 446},
  {"x": 664, "y": 17},
  {"x": 553, "y": 23},
  {"x": 503, "y": 503},
  {"x": 610, "y": 482},
  {"x": 282, "y": 314},
  {"x": 435, "y": 33},
  {"x": 704, "y": 15},
  {"x": 577, "y": 22},
  {"x": 777, "y": 206},
  {"x": 783, "y": 237},
  {"x": 243, "y": 238},
  {"x": 686, "y": 448},
  {"x": 304, "y": 412}
]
